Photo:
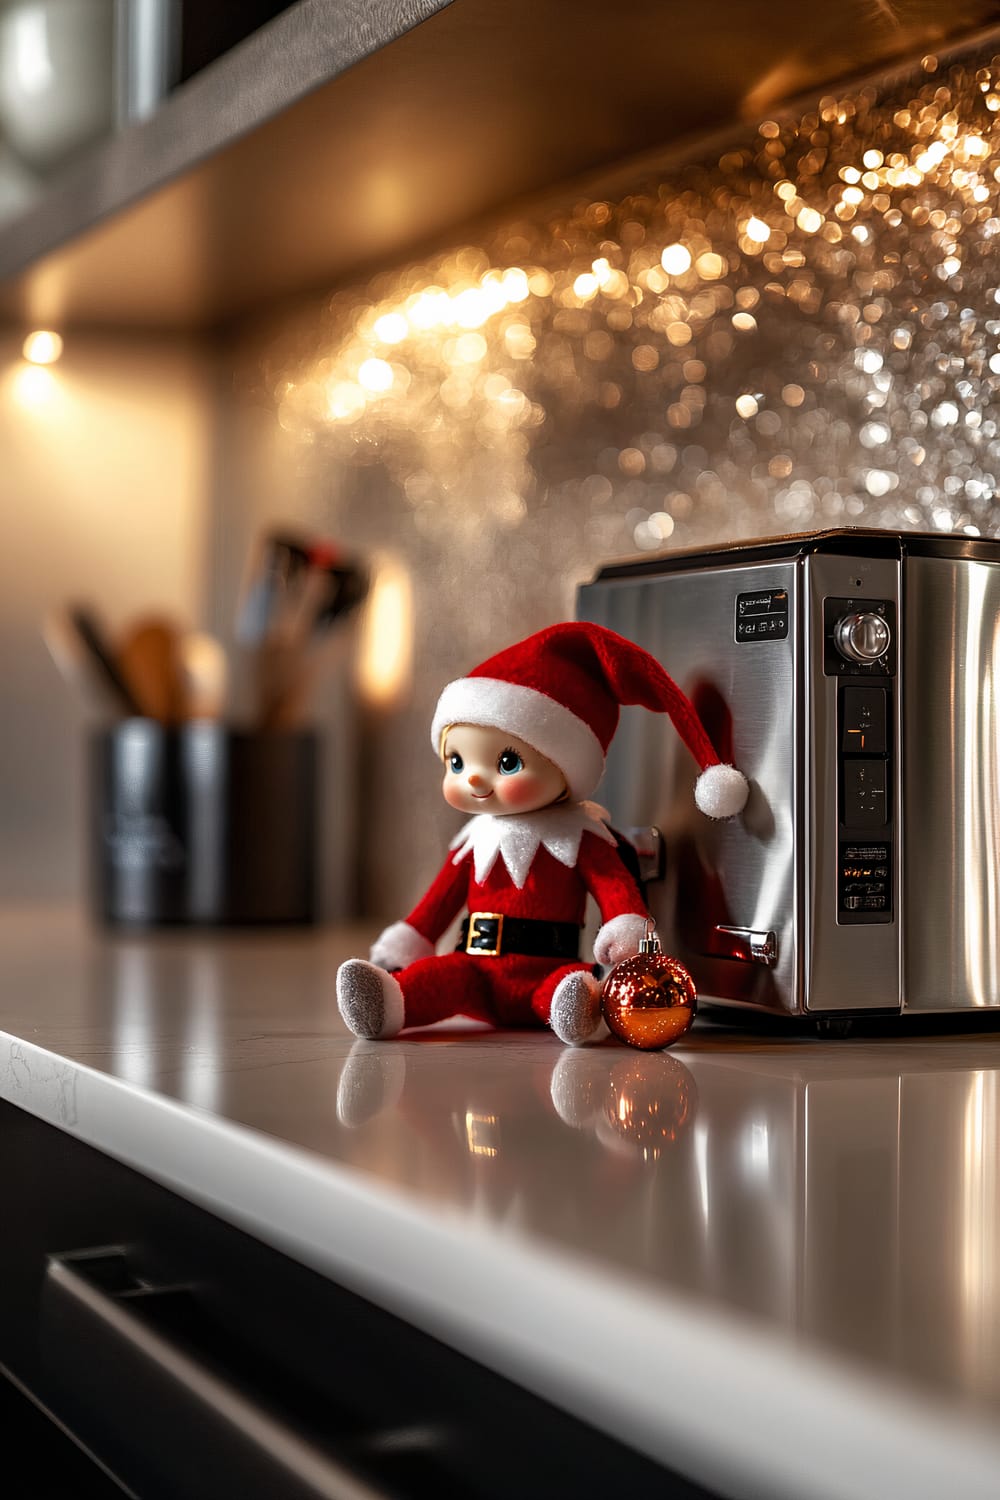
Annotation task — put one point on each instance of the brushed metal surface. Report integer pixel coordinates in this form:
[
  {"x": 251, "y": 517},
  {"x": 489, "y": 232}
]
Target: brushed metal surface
[
  {"x": 845, "y": 966},
  {"x": 739, "y": 873},
  {"x": 941, "y": 950},
  {"x": 952, "y": 784}
]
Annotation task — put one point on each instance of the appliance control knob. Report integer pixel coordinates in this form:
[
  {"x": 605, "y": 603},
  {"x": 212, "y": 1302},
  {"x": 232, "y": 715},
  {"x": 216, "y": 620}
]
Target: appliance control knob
[{"x": 862, "y": 637}]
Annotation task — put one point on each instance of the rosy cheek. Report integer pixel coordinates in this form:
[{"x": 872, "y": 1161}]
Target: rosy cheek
[
  {"x": 452, "y": 792},
  {"x": 521, "y": 791}
]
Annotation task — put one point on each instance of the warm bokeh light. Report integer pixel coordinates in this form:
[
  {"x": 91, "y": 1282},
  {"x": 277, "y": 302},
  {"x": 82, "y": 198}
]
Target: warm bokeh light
[
  {"x": 42, "y": 347},
  {"x": 376, "y": 375},
  {"x": 799, "y": 329},
  {"x": 675, "y": 260},
  {"x": 33, "y": 386},
  {"x": 391, "y": 328},
  {"x": 386, "y": 651}
]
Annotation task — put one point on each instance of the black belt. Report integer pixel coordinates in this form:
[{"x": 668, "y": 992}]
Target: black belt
[{"x": 490, "y": 935}]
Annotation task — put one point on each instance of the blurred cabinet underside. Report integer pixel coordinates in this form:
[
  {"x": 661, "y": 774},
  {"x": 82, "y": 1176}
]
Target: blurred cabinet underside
[{"x": 345, "y": 135}]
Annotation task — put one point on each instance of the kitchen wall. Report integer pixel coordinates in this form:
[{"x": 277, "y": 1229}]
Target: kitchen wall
[
  {"x": 103, "y": 499},
  {"x": 796, "y": 329}
]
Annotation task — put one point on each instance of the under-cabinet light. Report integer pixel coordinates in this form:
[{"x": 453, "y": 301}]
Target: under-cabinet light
[
  {"x": 385, "y": 655},
  {"x": 42, "y": 347}
]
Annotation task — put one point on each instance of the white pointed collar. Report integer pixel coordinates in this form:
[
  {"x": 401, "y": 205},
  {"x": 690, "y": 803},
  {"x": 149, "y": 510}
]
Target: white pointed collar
[{"x": 518, "y": 837}]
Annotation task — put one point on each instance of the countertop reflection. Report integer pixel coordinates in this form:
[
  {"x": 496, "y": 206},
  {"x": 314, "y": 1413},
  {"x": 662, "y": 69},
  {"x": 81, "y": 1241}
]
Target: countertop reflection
[{"x": 841, "y": 1195}]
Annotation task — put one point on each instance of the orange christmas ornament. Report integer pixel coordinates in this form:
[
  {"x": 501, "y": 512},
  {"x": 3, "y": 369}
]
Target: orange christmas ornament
[{"x": 649, "y": 1001}]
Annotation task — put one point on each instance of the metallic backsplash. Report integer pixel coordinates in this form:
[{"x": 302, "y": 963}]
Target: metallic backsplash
[{"x": 798, "y": 329}]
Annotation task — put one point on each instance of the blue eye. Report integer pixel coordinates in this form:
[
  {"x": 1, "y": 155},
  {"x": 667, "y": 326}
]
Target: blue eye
[
  {"x": 509, "y": 763},
  {"x": 455, "y": 762}
]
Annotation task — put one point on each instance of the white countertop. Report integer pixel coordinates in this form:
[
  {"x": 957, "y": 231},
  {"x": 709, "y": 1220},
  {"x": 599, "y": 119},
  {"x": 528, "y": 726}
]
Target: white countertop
[{"x": 771, "y": 1262}]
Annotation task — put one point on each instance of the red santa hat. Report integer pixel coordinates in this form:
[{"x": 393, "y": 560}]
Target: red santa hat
[{"x": 561, "y": 691}]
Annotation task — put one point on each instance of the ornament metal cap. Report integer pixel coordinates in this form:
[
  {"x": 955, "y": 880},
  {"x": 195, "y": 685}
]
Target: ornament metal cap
[{"x": 649, "y": 942}]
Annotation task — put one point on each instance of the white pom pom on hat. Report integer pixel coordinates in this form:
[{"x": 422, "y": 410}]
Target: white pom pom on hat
[
  {"x": 561, "y": 691},
  {"x": 721, "y": 791}
]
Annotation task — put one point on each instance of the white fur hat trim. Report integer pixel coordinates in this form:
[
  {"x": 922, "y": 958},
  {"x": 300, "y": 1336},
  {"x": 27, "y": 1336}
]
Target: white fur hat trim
[{"x": 549, "y": 727}]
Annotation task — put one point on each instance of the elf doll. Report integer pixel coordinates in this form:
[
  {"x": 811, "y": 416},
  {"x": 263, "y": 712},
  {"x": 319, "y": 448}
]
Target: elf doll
[{"x": 523, "y": 740}]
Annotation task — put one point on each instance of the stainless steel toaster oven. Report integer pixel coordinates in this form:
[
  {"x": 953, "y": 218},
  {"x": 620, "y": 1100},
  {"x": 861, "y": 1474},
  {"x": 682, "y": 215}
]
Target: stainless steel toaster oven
[{"x": 854, "y": 676}]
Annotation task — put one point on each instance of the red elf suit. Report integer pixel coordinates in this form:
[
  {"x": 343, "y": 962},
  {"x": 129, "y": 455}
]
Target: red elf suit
[{"x": 524, "y": 877}]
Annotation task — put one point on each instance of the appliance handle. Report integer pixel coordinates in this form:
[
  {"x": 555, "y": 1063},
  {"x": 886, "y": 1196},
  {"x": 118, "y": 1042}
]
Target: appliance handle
[
  {"x": 746, "y": 945},
  {"x": 650, "y": 851},
  {"x": 149, "y": 1402}
]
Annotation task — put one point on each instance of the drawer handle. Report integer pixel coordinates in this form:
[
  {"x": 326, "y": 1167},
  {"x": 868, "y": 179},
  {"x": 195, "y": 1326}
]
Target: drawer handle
[{"x": 156, "y": 1411}]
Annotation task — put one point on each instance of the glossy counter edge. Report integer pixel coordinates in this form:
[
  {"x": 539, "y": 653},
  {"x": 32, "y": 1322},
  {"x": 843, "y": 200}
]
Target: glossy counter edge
[{"x": 713, "y": 1397}]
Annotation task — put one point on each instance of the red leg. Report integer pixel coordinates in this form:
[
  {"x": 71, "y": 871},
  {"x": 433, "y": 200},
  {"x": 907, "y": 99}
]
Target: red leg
[{"x": 436, "y": 988}]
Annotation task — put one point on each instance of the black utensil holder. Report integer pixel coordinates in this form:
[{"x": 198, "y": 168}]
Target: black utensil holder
[{"x": 203, "y": 825}]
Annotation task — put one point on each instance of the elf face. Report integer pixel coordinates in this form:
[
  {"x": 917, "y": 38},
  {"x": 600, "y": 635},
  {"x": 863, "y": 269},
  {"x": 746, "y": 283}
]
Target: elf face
[{"x": 488, "y": 771}]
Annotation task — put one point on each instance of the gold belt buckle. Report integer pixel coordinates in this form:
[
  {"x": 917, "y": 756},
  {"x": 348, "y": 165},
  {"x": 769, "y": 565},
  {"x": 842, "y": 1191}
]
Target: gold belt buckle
[{"x": 472, "y": 946}]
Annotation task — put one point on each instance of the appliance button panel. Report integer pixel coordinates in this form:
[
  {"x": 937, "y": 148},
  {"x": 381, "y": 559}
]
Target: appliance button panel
[
  {"x": 864, "y": 883},
  {"x": 762, "y": 615},
  {"x": 865, "y": 795},
  {"x": 863, "y": 725},
  {"x": 865, "y": 803},
  {"x": 853, "y": 629},
  {"x": 863, "y": 636}
]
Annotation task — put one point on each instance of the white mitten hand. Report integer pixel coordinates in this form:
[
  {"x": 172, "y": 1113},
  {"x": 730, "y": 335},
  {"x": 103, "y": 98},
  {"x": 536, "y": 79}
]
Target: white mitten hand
[
  {"x": 398, "y": 946},
  {"x": 619, "y": 939}
]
